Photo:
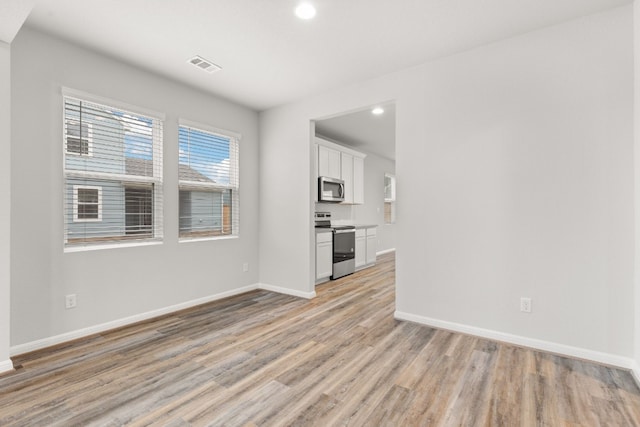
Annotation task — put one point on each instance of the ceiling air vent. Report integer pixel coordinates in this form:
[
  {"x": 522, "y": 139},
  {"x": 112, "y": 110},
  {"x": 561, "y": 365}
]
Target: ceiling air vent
[{"x": 204, "y": 64}]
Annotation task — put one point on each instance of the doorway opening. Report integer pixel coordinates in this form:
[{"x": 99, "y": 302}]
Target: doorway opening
[{"x": 357, "y": 147}]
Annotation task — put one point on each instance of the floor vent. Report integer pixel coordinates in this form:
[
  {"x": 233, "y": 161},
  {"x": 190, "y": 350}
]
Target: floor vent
[{"x": 204, "y": 64}]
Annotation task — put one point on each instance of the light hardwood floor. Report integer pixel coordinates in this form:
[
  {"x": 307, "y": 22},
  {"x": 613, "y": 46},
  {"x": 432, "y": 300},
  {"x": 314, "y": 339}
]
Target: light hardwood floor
[{"x": 264, "y": 359}]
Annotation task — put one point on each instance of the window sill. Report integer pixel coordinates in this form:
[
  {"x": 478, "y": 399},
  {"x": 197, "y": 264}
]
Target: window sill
[
  {"x": 98, "y": 247},
  {"x": 206, "y": 239}
]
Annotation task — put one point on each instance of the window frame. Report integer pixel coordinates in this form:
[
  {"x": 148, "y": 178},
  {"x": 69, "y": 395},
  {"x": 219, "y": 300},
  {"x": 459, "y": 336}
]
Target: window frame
[
  {"x": 233, "y": 187},
  {"x": 76, "y": 203},
  {"x": 391, "y": 201},
  {"x": 155, "y": 181}
]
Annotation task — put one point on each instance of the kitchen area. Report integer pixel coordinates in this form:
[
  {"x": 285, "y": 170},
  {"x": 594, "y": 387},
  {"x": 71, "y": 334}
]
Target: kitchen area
[
  {"x": 351, "y": 218},
  {"x": 342, "y": 249}
]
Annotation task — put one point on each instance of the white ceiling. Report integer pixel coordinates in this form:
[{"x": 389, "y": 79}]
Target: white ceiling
[
  {"x": 12, "y": 16},
  {"x": 269, "y": 57},
  {"x": 363, "y": 131}
]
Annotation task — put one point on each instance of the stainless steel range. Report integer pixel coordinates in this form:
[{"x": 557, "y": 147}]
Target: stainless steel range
[{"x": 344, "y": 245}]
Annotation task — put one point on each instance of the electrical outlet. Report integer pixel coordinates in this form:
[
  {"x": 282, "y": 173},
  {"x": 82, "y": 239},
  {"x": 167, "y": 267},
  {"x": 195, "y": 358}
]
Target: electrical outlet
[
  {"x": 525, "y": 305},
  {"x": 70, "y": 301},
  {"x": 245, "y": 267}
]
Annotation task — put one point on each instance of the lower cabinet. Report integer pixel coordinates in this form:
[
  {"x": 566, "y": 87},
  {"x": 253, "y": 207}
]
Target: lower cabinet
[
  {"x": 361, "y": 247},
  {"x": 366, "y": 245},
  {"x": 324, "y": 254},
  {"x": 371, "y": 245}
]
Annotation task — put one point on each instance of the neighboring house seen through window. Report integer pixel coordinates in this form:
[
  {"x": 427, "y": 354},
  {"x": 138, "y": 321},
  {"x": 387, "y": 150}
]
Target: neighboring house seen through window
[
  {"x": 87, "y": 203},
  {"x": 78, "y": 137},
  {"x": 208, "y": 174},
  {"x": 138, "y": 210},
  {"x": 113, "y": 173}
]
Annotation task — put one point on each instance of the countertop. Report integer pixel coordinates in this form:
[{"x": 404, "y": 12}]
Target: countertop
[{"x": 358, "y": 226}]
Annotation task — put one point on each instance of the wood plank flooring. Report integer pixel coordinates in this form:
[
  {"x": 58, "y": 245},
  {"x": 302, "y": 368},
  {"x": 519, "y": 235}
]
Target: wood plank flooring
[{"x": 264, "y": 359}]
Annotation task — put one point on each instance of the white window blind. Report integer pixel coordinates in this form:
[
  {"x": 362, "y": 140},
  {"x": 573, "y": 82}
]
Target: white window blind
[
  {"x": 113, "y": 174},
  {"x": 208, "y": 182}
]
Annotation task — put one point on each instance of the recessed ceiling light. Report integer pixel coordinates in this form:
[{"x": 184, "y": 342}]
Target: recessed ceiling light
[
  {"x": 377, "y": 111},
  {"x": 305, "y": 11}
]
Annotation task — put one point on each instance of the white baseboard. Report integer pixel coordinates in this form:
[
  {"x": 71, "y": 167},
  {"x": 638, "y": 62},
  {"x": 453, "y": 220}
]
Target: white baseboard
[
  {"x": 551, "y": 347},
  {"x": 6, "y": 366},
  {"x": 635, "y": 372},
  {"x": 385, "y": 251},
  {"x": 81, "y": 333},
  {"x": 287, "y": 291}
]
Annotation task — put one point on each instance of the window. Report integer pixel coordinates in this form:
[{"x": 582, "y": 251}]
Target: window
[
  {"x": 389, "y": 198},
  {"x": 113, "y": 173},
  {"x": 87, "y": 203},
  {"x": 208, "y": 173},
  {"x": 79, "y": 137}
]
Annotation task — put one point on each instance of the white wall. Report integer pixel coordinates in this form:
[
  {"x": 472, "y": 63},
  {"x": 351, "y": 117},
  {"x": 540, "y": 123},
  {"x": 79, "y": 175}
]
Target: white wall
[
  {"x": 286, "y": 206},
  {"x": 515, "y": 178},
  {"x": 117, "y": 283},
  {"x": 636, "y": 15},
  {"x": 5, "y": 205},
  {"x": 372, "y": 212},
  {"x": 524, "y": 187}
]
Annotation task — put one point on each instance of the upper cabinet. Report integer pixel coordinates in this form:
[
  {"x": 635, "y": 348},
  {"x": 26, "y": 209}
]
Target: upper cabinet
[
  {"x": 329, "y": 162},
  {"x": 358, "y": 180},
  {"x": 340, "y": 162},
  {"x": 347, "y": 176}
]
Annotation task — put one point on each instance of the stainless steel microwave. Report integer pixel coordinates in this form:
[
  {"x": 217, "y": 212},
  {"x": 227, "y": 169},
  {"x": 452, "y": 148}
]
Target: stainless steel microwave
[{"x": 330, "y": 190}]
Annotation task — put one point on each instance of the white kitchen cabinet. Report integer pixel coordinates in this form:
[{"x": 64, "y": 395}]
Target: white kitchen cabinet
[
  {"x": 371, "y": 245},
  {"x": 324, "y": 254},
  {"x": 352, "y": 168},
  {"x": 329, "y": 162},
  {"x": 340, "y": 162},
  {"x": 361, "y": 247},
  {"x": 346, "y": 174},
  {"x": 366, "y": 246},
  {"x": 358, "y": 180}
]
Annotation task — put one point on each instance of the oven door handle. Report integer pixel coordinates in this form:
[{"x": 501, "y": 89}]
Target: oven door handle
[{"x": 344, "y": 231}]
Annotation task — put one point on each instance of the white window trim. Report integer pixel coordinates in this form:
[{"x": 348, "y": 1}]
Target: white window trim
[
  {"x": 89, "y": 141},
  {"x": 210, "y": 129},
  {"x": 391, "y": 200},
  {"x": 98, "y": 247},
  {"x": 206, "y": 239},
  {"x": 75, "y": 203},
  {"x": 157, "y": 179},
  {"x": 88, "y": 97},
  {"x": 392, "y": 178}
]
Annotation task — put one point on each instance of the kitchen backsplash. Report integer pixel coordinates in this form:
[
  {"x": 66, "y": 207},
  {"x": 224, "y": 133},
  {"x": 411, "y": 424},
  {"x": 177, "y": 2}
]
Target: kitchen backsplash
[{"x": 340, "y": 214}]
